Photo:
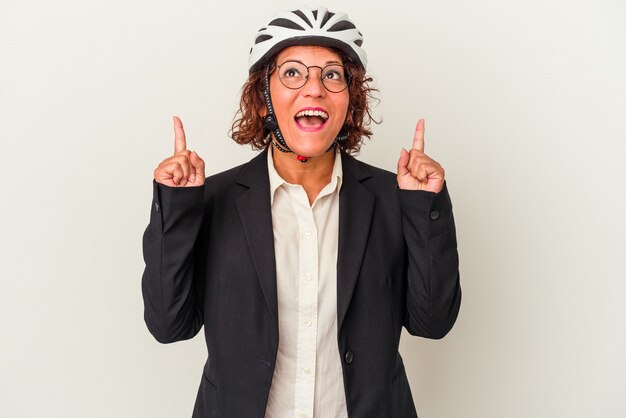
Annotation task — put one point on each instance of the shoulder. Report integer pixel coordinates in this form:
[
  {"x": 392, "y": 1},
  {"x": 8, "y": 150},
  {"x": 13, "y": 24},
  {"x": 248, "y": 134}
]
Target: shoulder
[
  {"x": 369, "y": 175},
  {"x": 238, "y": 178},
  {"x": 225, "y": 177}
]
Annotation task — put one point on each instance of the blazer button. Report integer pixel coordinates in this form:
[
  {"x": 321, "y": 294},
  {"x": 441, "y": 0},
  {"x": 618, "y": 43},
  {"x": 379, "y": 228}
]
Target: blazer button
[
  {"x": 434, "y": 215},
  {"x": 349, "y": 357}
]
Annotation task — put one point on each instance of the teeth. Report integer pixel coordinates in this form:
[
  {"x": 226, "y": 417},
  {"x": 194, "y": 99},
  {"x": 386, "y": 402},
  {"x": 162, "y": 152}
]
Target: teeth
[{"x": 319, "y": 113}]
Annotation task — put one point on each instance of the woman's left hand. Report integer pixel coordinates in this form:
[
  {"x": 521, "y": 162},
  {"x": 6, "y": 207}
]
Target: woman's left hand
[{"x": 416, "y": 170}]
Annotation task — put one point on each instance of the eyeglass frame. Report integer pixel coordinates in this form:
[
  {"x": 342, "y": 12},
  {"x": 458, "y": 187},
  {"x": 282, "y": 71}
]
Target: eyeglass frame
[{"x": 345, "y": 71}]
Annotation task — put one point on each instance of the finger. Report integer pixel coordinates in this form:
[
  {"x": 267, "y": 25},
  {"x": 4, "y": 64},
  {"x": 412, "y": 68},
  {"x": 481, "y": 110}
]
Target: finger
[
  {"x": 197, "y": 167},
  {"x": 183, "y": 161},
  {"x": 425, "y": 171},
  {"x": 164, "y": 170},
  {"x": 180, "y": 142},
  {"x": 170, "y": 171},
  {"x": 422, "y": 173},
  {"x": 418, "y": 137},
  {"x": 187, "y": 170},
  {"x": 415, "y": 159},
  {"x": 177, "y": 174},
  {"x": 402, "y": 162},
  {"x": 176, "y": 170}
]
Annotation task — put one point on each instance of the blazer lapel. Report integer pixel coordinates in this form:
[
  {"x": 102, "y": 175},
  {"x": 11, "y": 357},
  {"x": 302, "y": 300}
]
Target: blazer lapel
[
  {"x": 256, "y": 216},
  {"x": 356, "y": 205}
]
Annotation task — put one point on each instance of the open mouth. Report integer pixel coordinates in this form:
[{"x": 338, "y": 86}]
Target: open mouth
[{"x": 311, "y": 119}]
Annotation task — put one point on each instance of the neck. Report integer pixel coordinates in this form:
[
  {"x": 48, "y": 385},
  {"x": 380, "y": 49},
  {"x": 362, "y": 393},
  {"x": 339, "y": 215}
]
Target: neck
[
  {"x": 312, "y": 175},
  {"x": 318, "y": 168}
]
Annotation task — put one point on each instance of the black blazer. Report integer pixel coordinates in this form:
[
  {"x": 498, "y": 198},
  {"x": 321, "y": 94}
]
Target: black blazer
[{"x": 209, "y": 254}]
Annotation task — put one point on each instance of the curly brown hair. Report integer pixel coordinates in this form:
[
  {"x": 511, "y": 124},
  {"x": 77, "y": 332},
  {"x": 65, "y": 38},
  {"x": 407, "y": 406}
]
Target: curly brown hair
[{"x": 248, "y": 127}]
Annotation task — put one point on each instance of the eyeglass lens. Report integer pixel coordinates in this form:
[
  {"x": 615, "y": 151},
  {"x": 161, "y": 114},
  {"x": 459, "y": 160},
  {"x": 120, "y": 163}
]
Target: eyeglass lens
[{"x": 294, "y": 75}]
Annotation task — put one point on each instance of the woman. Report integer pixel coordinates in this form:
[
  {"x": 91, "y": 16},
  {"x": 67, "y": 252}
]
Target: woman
[{"x": 304, "y": 263}]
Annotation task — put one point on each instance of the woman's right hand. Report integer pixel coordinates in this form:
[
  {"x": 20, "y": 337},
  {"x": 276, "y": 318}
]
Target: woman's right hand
[{"x": 185, "y": 168}]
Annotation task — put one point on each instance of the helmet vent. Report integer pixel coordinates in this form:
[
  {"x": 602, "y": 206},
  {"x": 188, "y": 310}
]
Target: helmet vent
[
  {"x": 339, "y": 26},
  {"x": 262, "y": 38},
  {"x": 285, "y": 23},
  {"x": 326, "y": 18},
  {"x": 302, "y": 16}
]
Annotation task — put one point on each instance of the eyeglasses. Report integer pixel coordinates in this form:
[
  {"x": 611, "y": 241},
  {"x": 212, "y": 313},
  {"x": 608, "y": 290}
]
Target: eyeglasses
[{"x": 294, "y": 75}]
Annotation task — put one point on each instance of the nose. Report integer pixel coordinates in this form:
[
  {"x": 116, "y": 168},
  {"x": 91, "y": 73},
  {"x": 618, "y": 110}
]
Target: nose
[{"x": 314, "y": 86}]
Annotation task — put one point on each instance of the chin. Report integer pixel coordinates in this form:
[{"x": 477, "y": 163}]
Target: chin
[
  {"x": 310, "y": 146},
  {"x": 311, "y": 151}
]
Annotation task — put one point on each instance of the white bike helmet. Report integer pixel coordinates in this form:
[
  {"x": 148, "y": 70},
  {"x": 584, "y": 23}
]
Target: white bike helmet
[{"x": 304, "y": 26}]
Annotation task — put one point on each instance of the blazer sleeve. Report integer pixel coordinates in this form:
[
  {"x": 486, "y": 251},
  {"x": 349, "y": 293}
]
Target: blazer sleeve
[
  {"x": 433, "y": 295},
  {"x": 172, "y": 306}
]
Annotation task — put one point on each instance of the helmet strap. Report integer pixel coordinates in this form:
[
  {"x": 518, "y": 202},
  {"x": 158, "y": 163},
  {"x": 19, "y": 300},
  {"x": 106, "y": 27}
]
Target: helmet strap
[{"x": 270, "y": 123}]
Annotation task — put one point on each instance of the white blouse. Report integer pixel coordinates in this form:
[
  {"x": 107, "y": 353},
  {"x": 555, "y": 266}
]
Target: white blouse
[{"x": 308, "y": 379}]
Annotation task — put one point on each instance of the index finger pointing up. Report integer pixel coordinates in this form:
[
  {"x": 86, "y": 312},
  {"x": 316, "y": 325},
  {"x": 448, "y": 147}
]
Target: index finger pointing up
[
  {"x": 418, "y": 138},
  {"x": 180, "y": 143}
]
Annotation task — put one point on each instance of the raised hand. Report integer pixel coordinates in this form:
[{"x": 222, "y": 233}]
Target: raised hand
[
  {"x": 185, "y": 168},
  {"x": 416, "y": 170}
]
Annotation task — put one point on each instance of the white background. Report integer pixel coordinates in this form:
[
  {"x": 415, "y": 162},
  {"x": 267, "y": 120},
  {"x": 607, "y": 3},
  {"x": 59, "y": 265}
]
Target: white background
[{"x": 524, "y": 102}]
